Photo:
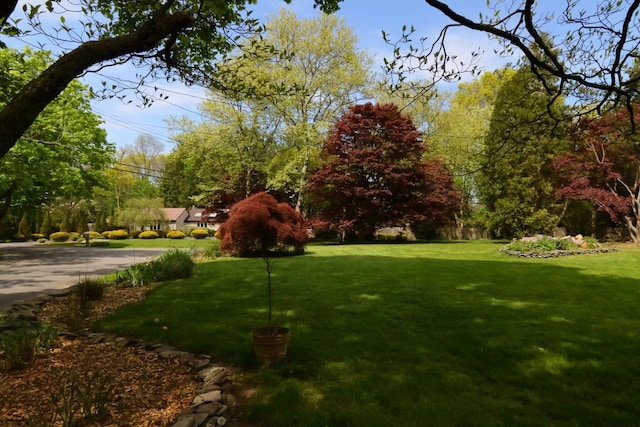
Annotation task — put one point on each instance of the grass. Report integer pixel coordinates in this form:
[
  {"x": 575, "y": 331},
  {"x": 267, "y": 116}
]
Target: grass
[{"x": 423, "y": 334}]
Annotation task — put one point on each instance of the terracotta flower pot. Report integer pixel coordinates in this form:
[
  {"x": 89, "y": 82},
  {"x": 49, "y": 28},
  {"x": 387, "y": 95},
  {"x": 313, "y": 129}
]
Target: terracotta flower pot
[{"x": 270, "y": 343}]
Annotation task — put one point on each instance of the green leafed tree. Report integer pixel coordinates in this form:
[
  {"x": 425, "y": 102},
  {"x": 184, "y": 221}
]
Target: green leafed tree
[
  {"x": 164, "y": 38},
  {"x": 516, "y": 180},
  {"x": 141, "y": 213},
  {"x": 315, "y": 72},
  {"x": 62, "y": 156}
]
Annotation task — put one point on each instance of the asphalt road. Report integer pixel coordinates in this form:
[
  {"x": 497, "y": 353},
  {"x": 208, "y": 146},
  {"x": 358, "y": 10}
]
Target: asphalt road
[{"x": 28, "y": 269}]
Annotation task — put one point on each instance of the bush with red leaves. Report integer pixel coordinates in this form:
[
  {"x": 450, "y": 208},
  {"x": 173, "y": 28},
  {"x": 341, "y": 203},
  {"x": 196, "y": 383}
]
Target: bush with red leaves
[{"x": 259, "y": 224}]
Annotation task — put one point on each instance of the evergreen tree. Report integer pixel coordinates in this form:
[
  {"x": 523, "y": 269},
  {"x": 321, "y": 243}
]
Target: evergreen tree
[{"x": 516, "y": 182}]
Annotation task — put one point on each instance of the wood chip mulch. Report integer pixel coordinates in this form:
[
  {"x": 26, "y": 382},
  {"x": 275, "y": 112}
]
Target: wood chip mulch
[{"x": 148, "y": 390}]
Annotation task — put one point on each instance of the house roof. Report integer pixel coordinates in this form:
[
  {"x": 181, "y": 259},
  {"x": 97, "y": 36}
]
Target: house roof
[
  {"x": 173, "y": 213},
  {"x": 195, "y": 214}
]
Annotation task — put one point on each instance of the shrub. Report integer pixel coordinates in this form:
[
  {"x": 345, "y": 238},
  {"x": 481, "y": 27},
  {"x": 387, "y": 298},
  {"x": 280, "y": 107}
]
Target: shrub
[
  {"x": 176, "y": 234},
  {"x": 74, "y": 236},
  {"x": 150, "y": 234},
  {"x": 259, "y": 224},
  {"x": 20, "y": 346},
  {"x": 134, "y": 234},
  {"x": 118, "y": 235},
  {"x": 174, "y": 264},
  {"x": 89, "y": 289},
  {"x": 200, "y": 233},
  {"x": 60, "y": 236},
  {"x": 94, "y": 235},
  {"x": 105, "y": 234},
  {"x": 37, "y": 236},
  {"x": 213, "y": 250},
  {"x": 187, "y": 229},
  {"x": 136, "y": 275}
]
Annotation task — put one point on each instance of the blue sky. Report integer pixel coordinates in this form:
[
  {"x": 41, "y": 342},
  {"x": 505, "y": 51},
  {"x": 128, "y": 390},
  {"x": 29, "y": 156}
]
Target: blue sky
[{"x": 367, "y": 18}]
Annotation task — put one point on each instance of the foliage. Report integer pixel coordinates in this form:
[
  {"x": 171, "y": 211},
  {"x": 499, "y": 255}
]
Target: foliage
[
  {"x": 19, "y": 347},
  {"x": 542, "y": 245},
  {"x": 89, "y": 289},
  {"x": 200, "y": 233},
  {"x": 281, "y": 91},
  {"x": 142, "y": 212},
  {"x": 60, "y": 236},
  {"x": 604, "y": 169},
  {"x": 259, "y": 224},
  {"x": 116, "y": 234},
  {"x": 149, "y": 234},
  {"x": 373, "y": 175},
  {"x": 174, "y": 264},
  {"x": 63, "y": 154},
  {"x": 516, "y": 183},
  {"x": 94, "y": 235},
  {"x": 82, "y": 400},
  {"x": 176, "y": 234}
]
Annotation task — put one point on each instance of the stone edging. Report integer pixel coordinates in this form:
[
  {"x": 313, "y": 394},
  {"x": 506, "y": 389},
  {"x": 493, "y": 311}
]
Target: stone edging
[
  {"x": 211, "y": 407},
  {"x": 556, "y": 253}
]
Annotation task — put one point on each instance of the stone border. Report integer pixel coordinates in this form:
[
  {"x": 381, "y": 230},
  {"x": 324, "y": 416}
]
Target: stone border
[
  {"x": 556, "y": 253},
  {"x": 211, "y": 407}
]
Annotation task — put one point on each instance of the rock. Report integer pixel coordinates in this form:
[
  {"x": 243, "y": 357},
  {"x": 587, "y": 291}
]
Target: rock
[
  {"x": 215, "y": 374},
  {"x": 211, "y": 408},
  {"x": 191, "y": 420},
  {"x": 212, "y": 396},
  {"x": 210, "y": 387}
]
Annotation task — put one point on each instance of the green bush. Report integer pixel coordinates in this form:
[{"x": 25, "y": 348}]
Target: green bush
[
  {"x": 200, "y": 233},
  {"x": 60, "y": 236},
  {"x": 176, "y": 234},
  {"x": 118, "y": 235},
  {"x": 150, "y": 234},
  {"x": 136, "y": 275},
  {"x": 74, "y": 237},
  {"x": 542, "y": 245},
  {"x": 213, "y": 251},
  {"x": 37, "y": 236},
  {"x": 187, "y": 229},
  {"x": 89, "y": 289},
  {"x": 174, "y": 264},
  {"x": 105, "y": 234},
  {"x": 19, "y": 347},
  {"x": 134, "y": 234}
]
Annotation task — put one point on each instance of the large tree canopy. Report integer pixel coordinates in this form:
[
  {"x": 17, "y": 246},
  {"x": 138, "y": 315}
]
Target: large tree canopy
[
  {"x": 181, "y": 39},
  {"x": 591, "y": 48},
  {"x": 373, "y": 174}
]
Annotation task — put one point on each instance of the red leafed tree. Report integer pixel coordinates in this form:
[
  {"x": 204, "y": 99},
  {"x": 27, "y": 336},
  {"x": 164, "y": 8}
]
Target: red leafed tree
[
  {"x": 604, "y": 169},
  {"x": 373, "y": 175},
  {"x": 259, "y": 224}
]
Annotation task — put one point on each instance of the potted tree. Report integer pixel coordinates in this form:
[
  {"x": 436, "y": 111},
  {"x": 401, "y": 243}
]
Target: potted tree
[{"x": 259, "y": 225}]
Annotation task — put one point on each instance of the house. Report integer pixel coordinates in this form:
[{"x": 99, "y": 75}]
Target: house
[{"x": 177, "y": 217}]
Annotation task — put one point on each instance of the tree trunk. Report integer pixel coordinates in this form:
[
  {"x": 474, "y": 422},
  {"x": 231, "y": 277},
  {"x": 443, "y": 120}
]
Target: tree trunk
[
  {"x": 18, "y": 115},
  {"x": 302, "y": 183}
]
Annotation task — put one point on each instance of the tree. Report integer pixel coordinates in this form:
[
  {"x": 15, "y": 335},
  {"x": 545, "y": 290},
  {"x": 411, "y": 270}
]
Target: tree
[
  {"x": 63, "y": 155},
  {"x": 177, "y": 39},
  {"x": 141, "y": 213},
  {"x": 591, "y": 49},
  {"x": 459, "y": 131},
  {"x": 259, "y": 224},
  {"x": 314, "y": 74},
  {"x": 604, "y": 169},
  {"x": 373, "y": 174},
  {"x": 516, "y": 180}
]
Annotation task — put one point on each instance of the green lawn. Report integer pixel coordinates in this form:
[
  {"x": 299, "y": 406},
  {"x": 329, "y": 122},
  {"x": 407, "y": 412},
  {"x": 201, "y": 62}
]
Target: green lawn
[
  {"x": 159, "y": 243},
  {"x": 451, "y": 334}
]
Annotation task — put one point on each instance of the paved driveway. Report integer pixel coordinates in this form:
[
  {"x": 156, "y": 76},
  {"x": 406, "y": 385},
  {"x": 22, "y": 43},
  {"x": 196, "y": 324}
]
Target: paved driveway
[{"x": 28, "y": 269}]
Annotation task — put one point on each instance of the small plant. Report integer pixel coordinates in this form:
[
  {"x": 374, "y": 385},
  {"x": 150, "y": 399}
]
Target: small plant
[
  {"x": 89, "y": 289},
  {"x": 150, "y": 234},
  {"x": 213, "y": 250},
  {"x": 37, "y": 236},
  {"x": 176, "y": 234},
  {"x": 94, "y": 235},
  {"x": 200, "y": 233},
  {"x": 60, "y": 236},
  {"x": 136, "y": 275},
  {"x": 134, "y": 234},
  {"x": 74, "y": 237},
  {"x": 83, "y": 400},
  {"x": 19, "y": 347},
  {"x": 174, "y": 264}
]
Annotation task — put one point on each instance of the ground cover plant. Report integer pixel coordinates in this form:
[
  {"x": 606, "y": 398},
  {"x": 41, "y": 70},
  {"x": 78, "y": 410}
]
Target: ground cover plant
[{"x": 418, "y": 334}]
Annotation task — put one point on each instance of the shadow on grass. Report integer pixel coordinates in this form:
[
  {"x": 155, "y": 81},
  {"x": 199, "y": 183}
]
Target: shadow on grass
[{"x": 401, "y": 341}]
